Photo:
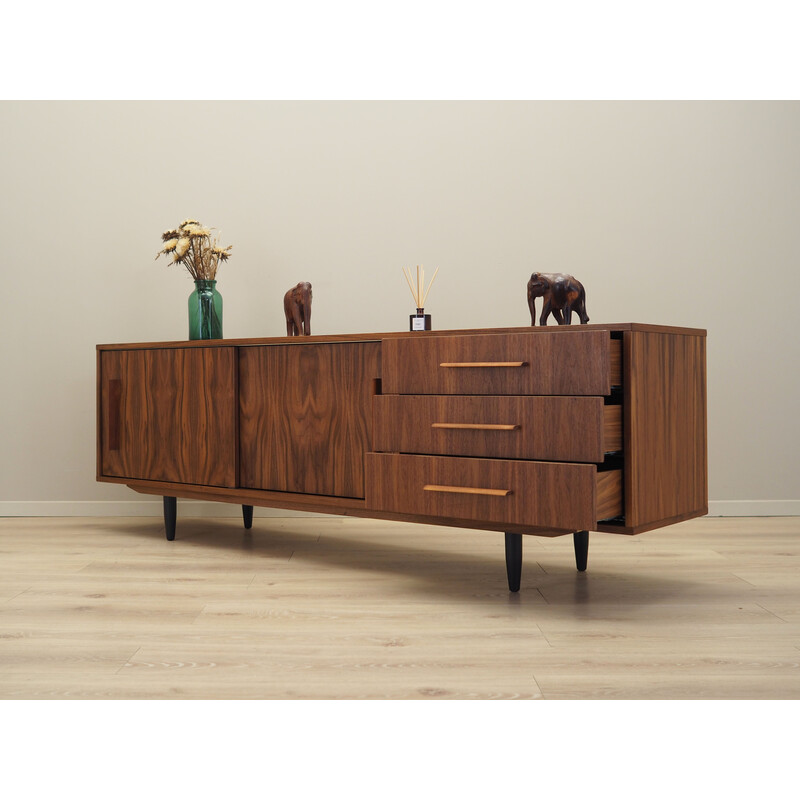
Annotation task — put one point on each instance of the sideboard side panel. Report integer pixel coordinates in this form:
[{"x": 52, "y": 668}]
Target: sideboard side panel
[{"x": 665, "y": 428}]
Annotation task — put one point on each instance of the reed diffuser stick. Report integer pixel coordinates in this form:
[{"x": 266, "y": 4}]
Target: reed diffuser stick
[
  {"x": 418, "y": 291},
  {"x": 408, "y": 280},
  {"x": 436, "y": 272}
]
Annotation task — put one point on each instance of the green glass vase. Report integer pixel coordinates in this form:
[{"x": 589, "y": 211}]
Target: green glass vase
[{"x": 205, "y": 311}]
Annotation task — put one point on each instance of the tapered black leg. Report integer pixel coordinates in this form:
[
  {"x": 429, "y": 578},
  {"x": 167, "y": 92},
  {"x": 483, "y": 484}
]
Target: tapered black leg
[
  {"x": 247, "y": 515},
  {"x": 170, "y": 516},
  {"x": 514, "y": 560},
  {"x": 581, "y": 541}
]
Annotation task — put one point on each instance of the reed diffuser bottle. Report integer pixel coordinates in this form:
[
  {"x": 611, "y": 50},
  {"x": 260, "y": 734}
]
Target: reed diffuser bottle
[{"x": 419, "y": 321}]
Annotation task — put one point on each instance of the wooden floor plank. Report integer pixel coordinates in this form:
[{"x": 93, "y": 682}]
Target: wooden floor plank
[{"x": 325, "y": 608}]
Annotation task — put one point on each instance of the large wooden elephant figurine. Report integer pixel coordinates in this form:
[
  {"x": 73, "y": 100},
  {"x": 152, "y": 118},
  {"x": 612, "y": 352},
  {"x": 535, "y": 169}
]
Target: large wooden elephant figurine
[
  {"x": 562, "y": 295},
  {"x": 297, "y": 307}
]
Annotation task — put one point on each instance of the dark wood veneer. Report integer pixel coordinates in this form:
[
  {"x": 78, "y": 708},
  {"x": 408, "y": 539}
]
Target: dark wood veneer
[
  {"x": 538, "y": 428},
  {"x": 558, "y": 495},
  {"x": 666, "y": 452},
  {"x": 512, "y": 364},
  {"x": 600, "y": 427},
  {"x": 551, "y": 330},
  {"x": 169, "y": 415},
  {"x": 306, "y": 417}
]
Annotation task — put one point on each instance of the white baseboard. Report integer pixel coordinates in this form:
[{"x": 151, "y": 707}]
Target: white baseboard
[
  {"x": 132, "y": 508},
  {"x": 200, "y": 508},
  {"x": 754, "y": 508}
]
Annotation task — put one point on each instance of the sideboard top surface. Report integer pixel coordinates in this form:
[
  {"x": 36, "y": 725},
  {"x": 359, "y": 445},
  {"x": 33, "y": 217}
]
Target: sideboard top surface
[{"x": 376, "y": 337}]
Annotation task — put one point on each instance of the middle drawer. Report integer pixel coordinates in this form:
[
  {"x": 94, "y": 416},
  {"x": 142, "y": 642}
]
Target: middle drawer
[{"x": 540, "y": 428}]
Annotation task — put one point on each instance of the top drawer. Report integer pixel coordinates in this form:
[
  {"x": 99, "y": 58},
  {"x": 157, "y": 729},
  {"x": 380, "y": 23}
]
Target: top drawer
[{"x": 559, "y": 363}]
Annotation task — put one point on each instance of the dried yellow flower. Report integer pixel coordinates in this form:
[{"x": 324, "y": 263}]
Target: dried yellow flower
[
  {"x": 196, "y": 230},
  {"x": 190, "y": 244},
  {"x": 182, "y": 246}
]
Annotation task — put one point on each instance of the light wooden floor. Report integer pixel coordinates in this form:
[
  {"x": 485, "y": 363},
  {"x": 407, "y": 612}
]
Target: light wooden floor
[{"x": 348, "y": 608}]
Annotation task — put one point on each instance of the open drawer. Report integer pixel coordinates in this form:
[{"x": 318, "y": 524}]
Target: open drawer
[
  {"x": 536, "y": 428},
  {"x": 561, "y": 496},
  {"x": 572, "y": 362}
]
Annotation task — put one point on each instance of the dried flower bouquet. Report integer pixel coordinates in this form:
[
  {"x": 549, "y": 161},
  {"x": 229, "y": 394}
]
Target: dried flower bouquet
[{"x": 191, "y": 244}]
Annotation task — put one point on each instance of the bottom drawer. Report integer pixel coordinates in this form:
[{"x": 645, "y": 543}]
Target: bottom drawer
[{"x": 536, "y": 493}]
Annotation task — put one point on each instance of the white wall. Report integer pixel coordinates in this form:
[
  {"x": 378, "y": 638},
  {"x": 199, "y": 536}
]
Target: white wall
[{"x": 672, "y": 213}]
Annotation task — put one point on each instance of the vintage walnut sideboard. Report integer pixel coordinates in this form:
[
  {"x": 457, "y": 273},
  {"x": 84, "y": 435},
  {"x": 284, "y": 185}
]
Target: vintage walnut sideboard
[{"x": 536, "y": 430}]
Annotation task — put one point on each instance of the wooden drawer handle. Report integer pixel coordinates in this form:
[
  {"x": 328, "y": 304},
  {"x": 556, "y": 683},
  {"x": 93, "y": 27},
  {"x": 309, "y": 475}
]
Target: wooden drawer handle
[
  {"x": 468, "y": 426},
  {"x": 484, "y": 364},
  {"x": 467, "y": 490}
]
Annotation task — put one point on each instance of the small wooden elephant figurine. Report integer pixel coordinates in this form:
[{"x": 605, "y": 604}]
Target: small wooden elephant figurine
[
  {"x": 561, "y": 293},
  {"x": 297, "y": 307}
]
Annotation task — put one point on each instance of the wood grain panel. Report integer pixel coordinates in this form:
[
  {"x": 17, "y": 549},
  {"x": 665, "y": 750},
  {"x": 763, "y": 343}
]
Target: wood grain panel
[
  {"x": 539, "y": 428},
  {"x": 615, "y": 361},
  {"x": 151, "y": 408},
  {"x": 169, "y": 415},
  {"x": 609, "y": 494},
  {"x": 551, "y": 330},
  {"x": 322, "y": 504},
  {"x": 539, "y": 494},
  {"x": 114, "y": 413},
  {"x": 665, "y": 428},
  {"x": 306, "y": 416},
  {"x": 562, "y": 363}
]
